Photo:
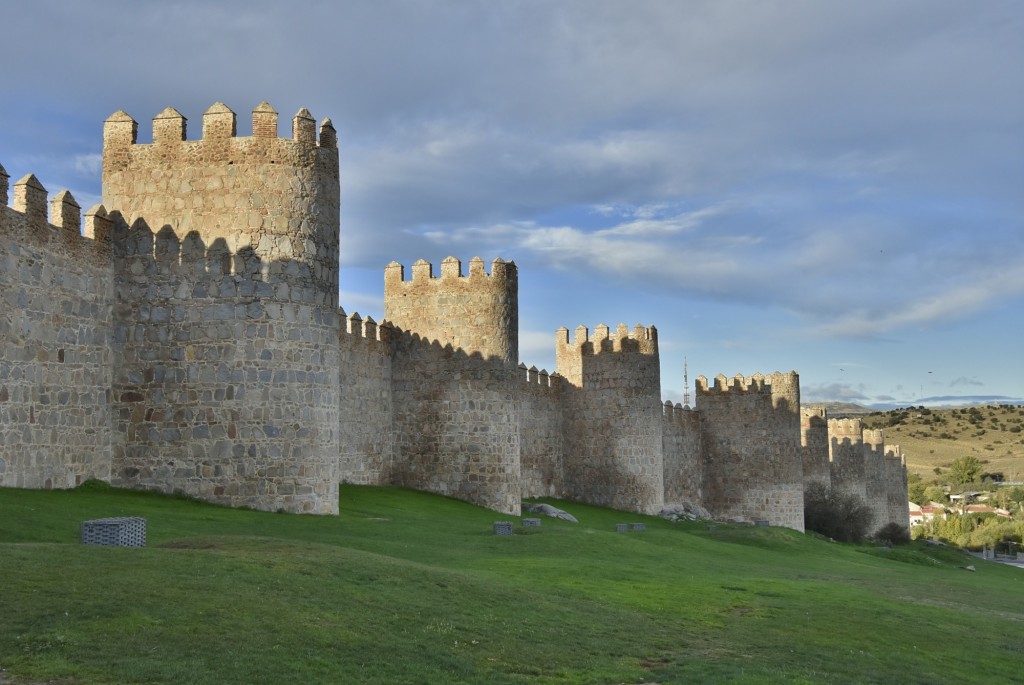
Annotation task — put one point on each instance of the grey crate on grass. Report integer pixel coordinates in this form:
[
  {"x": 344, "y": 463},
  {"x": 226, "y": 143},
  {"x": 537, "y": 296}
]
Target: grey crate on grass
[
  {"x": 638, "y": 526},
  {"x": 621, "y": 527},
  {"x": 502, "y": 527},
  {"x": 531, "y": 522},
  {"x": 761, "y": 522},
  {"x": 125, "y": 531}
]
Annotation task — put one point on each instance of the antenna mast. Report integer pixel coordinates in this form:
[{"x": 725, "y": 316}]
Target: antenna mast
[{"x": 686, "y": 383}]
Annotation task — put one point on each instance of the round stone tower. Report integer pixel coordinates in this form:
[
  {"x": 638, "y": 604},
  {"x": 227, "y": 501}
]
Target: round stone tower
[{"x": 226, "y": 323}]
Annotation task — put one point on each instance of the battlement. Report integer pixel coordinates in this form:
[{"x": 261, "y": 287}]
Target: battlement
[
  {"x": 540, "y": 379},
  {"x": 757, "y": 383},
  {"x": 852, "y": 429},
  {"x": 451, "y": 269},
  {"x": 120, "y": 130},
  {"x": 355, "y": 326},
  {"x": 30, "y": 211},
  {"x": 641, "y": 340},
  {"x": 477, "y": 313},
  {"x": 676, "y": 411},
  {"x": 874, "y": 438},
  {"x": 810, "y": 413}
]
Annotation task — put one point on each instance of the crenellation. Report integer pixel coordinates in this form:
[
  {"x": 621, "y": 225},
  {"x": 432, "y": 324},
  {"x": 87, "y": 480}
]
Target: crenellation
[
  {"x": 451, "y": 268},
  {"x": 328, "y": 136},
  {"x": 191, "y": 331},
  {"x": 264, "y": 121},
  {"x": 120, "y": 131},
  {"x": 304, "y": 127},
  {"x": 219, "y": 121},
  {"x": 66, "y": 213},
  {"x": 30, "y": 200},
  {"x": 5, "y": 180},
  {"x": 169, "y": 127}
]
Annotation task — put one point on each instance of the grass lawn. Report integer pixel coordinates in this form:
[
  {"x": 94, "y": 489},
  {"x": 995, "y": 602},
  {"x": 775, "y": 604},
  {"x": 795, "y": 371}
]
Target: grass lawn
[{"x": 406, "y": 587}]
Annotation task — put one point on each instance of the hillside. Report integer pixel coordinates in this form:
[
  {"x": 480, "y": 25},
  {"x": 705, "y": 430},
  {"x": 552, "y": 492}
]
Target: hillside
[
  {"x": 406, "y": 587},
  {"x": 933, "y": 438}
]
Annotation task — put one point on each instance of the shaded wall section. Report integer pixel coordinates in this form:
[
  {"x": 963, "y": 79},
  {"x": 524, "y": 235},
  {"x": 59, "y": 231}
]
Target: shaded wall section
[{"x": 750, "y": 431}]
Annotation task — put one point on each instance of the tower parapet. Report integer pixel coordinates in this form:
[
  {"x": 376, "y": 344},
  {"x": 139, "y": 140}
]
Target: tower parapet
[{"x": 477, "y": 313}]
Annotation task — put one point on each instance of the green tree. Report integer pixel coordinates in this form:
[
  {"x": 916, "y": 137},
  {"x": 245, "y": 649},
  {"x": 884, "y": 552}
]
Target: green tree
[
  {"x": 965, "y": 470},
  {"x": 934, "y": 493},
  {"x": 916, "y": 489},
  {"x": 839, "y": 515}
]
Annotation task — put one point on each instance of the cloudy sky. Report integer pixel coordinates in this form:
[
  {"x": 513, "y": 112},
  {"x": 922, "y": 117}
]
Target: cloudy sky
[{"x": 831, "y": 187}]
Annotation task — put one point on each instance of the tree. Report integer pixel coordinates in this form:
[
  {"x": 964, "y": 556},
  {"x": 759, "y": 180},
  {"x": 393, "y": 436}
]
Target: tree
[
  {"x": 838, "y": 515},
  {"x": 934, "y": 493},
  {"x": 916, "y": 488},
  {"x": 965, "y": 470}
]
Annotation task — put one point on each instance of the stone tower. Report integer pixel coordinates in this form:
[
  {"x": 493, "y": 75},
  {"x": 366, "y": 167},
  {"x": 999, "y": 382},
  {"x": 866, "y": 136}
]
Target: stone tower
[
  {"x": 750, "y": 431},
  {"x": 455, "y": 380},
  {"x": 477, "y": 313},
  {"x": 614, "y": 453},
  {"x": 226, "y": 314}
]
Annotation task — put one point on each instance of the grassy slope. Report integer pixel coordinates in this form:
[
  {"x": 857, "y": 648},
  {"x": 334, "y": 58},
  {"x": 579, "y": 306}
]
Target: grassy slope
[
  {"x": 405, "y": 587},
  {"x": 989, "y": 437}
]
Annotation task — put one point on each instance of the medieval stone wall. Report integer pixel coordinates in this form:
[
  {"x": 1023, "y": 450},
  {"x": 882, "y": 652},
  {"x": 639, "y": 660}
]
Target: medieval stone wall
[
  {"x": 366, "y": 433},
  {"x": 896, "y": 486},
  {"x": 876, "y": 495},
  {"x": 846, "y": 456},
  {"x": 226, "y": 323},
  {"x": 541, "y": 433},
  {"x": 191, "y": 340},
  {"x": 814, "y": 446},
  {"x": 456, "y": 420},
  {"x": 682, "y": 455},
  {"x": 56, "y": 292},
  {"x": 613, "y": 417},
  {"x": 750, "y": 432}
]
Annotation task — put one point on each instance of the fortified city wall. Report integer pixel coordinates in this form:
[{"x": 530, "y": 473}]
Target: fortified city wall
[
  {"x": 542, "y": 436},
  {"x": 846, "y": 455},
  {"x": 750, "y": 432},
  {"x": 366, "y": 432},
  {"x": 614, "y": 417},
  {"x": 682, "y": 451},
  {"x": 187, "y": 337},
  {"x": 814, "y": 445},
  {"x": 56, "y": 290}
]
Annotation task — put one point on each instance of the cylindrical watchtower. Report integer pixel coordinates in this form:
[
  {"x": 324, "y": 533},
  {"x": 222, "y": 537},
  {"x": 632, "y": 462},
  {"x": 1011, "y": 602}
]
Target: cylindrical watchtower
[{"x": 227, "y": 287}]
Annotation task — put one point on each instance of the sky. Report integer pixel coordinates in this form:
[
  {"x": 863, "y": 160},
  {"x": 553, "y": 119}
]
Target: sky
[{"x": 835, "y": 188}]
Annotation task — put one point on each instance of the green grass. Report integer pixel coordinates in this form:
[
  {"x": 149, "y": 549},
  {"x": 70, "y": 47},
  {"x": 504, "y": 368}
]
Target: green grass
[{"x": 405, "y": 587}]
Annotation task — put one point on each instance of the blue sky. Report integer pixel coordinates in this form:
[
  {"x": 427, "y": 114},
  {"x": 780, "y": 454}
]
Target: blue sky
[{"x": 831, "y": 187}]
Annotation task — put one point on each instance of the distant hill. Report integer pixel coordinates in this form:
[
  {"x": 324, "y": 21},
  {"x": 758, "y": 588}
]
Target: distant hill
[
  {"x": 841, "y": 410},
  {"x": 933, "y": 438}
]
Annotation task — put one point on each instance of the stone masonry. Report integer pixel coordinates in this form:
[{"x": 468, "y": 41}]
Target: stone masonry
[{"x": 186, "y": 336}]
